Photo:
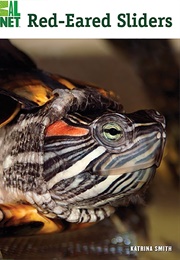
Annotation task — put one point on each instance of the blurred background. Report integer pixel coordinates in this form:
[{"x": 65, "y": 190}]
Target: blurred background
[{"x": 144, "y": 74}]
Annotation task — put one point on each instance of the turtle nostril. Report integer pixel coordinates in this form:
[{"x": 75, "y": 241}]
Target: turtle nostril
[{"x": 157, "y": 116}]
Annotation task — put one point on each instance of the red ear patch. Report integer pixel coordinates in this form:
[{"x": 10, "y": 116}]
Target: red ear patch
[{"x": 61, "y": 128}]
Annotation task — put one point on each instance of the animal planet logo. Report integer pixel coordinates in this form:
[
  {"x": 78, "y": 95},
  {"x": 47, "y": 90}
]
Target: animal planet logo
[{"x": 9, "y": 15}]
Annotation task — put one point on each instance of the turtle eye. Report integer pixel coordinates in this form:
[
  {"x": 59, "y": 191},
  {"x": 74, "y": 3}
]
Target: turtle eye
[{"x": 112, "y": 131}]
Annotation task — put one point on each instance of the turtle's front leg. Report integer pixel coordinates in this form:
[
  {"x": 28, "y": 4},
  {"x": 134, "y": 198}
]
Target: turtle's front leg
[{"x": 22, "y": 219}]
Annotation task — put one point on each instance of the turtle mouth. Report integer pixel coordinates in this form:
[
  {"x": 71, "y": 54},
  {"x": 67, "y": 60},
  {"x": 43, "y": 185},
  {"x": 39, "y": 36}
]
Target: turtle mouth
[
  {"x": 154, "y": 163},
  {"x": 161, "y": 135},
  {"x": 125, "y": 170}
]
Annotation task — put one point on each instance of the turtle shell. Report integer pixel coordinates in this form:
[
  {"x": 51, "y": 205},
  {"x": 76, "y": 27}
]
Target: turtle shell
[{"x": 24, "y": 86}]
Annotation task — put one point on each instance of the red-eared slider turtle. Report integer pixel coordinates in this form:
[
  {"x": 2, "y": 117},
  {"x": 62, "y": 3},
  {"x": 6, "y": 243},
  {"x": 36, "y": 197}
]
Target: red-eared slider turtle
[{"x": 69, "y": 152}]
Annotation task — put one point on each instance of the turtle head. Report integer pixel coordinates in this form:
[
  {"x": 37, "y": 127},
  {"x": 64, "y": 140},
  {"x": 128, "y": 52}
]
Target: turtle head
[
  {"x": 135, "y": 141},
  {"x": 97, "y": 156}
]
